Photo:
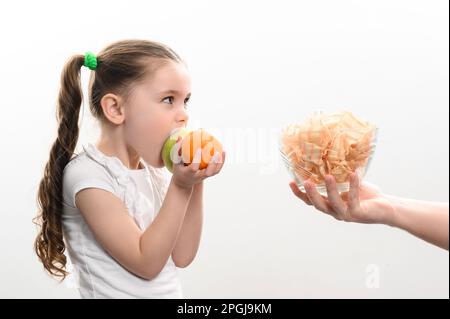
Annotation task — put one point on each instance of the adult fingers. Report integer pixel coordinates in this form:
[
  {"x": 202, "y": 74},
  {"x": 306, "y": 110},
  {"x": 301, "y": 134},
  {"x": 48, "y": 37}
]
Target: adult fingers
[
  {"x": 297, "y": 192},
  {"x": 334, "y": 198},
  {"x": 353, "y": 193},
  {"x": 316, "y": 199}
]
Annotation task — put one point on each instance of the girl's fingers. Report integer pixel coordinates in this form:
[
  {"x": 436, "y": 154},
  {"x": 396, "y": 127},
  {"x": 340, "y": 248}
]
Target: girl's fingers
[
  {"x": 316, "y": 199},
  {"x": 196, "y": 160},
  {"x": 200, "y": 174},
  {"x": 212, "y": 164},
  {"x": 353, "y": 193},
  {"x": 220, "y": 163},
  {"x": 334, "y": 199},
  {"x": 297, "y": 192}
]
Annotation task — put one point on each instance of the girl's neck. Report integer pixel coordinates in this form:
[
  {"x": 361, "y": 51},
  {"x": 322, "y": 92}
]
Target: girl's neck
[{"x": 112, "y": 147}]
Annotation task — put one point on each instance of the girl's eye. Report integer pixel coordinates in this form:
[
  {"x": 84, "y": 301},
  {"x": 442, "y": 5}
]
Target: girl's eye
[
  {"x": 168, "y": 100},
  {"x": 186, "y": 102}
]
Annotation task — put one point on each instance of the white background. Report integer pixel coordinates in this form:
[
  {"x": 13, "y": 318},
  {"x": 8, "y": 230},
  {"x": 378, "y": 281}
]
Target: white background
[{"x": 257, "y": 66}]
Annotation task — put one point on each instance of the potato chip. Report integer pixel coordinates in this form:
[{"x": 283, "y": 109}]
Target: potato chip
[{"x": 338, "y": 144}]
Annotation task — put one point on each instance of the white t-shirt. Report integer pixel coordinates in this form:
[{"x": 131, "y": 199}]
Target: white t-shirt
[{"x": 97, "y": 274}]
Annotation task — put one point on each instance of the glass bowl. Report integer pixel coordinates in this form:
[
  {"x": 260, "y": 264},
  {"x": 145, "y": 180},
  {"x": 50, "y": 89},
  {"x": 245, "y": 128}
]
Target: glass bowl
[{"x": 330, "y": 158}]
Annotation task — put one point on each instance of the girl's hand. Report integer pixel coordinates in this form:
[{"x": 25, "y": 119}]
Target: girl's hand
[
  {"x": 187, "y": 176},
  {"x": 361, "y": 204}
]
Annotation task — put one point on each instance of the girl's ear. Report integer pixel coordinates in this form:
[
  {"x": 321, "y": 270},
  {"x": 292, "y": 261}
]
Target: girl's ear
[{"x": 113, "y": 108}]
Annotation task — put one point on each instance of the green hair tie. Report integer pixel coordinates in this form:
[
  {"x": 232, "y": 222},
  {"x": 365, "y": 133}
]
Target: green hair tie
[{"x": 90, "y": 60}]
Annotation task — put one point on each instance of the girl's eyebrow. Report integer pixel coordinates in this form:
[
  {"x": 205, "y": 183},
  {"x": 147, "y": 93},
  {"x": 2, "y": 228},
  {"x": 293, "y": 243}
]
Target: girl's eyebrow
[{"x": 175, "y": 92}]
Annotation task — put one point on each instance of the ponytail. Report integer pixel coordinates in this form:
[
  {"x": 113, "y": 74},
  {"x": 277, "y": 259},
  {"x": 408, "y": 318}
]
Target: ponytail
[{"x": 49, "y": 244}]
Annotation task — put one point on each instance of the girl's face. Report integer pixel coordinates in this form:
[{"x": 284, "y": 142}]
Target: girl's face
[{"x": 154, "y": 108}]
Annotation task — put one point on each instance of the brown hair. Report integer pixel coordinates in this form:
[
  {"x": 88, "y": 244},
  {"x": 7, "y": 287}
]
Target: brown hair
[{"x": 118, "y": 66}]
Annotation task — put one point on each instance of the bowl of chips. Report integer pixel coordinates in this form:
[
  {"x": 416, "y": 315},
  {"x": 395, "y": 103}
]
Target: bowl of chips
[{"x": 336, "y": 144}]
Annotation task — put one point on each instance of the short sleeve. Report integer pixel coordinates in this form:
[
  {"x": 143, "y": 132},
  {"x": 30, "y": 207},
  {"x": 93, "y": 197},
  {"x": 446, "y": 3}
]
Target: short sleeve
[{"x": 81, "y": 173}]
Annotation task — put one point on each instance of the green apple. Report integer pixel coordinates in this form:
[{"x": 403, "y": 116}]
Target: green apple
[{"x": 166, "y": 152}]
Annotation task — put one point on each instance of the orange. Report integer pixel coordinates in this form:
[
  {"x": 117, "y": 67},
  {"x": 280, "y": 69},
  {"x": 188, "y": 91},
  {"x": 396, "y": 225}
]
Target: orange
[{"x": 199, "y": 139}]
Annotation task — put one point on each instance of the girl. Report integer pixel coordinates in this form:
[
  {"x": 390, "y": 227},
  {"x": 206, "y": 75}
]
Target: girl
[{"x": 126, "y": 227}]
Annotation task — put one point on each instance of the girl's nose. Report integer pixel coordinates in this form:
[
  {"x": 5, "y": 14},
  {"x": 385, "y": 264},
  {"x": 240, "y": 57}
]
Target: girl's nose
[{"x": 182, "y": 116}]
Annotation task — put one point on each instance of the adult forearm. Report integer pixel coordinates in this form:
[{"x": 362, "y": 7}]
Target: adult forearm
[{"x": 426, "y": 220}]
